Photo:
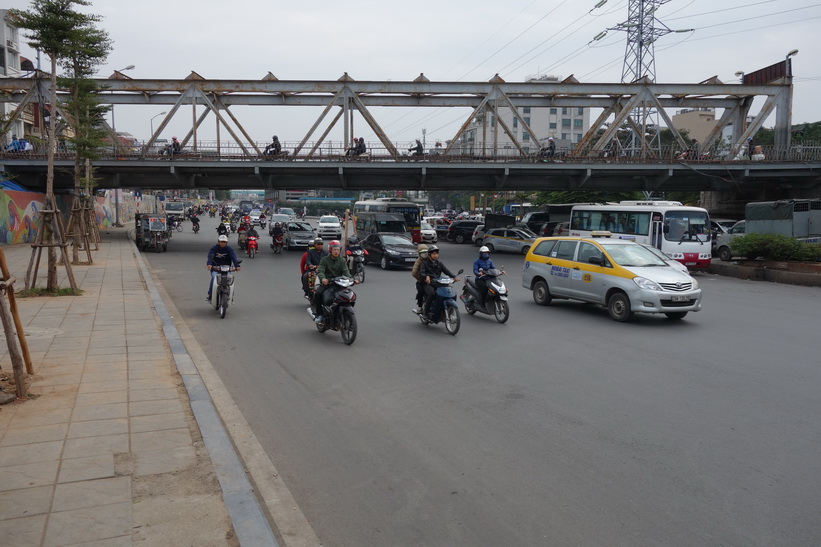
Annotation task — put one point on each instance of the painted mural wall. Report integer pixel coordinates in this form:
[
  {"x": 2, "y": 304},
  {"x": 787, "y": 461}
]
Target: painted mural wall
[{"x": 19, "y": 212}]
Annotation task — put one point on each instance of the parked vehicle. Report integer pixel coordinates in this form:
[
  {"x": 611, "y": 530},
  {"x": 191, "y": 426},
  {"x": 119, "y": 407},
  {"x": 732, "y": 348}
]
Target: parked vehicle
[
  {"x": 251, "y": 246},
  {"x": 340, "y": 315},
  {"x": 223, "y": 289},
  {"x": 495, "y": 301},
  {"x": 389, "y": 250},
  {"x": 444, "y": 306},
  {"x": 511, "y": 240},
  {"x": 618, "y": 274},
  {"x": 724, "y": 241}
]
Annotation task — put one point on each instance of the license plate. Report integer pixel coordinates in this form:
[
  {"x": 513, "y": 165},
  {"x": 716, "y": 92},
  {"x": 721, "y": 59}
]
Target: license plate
[
  {"x": 410, "y": 260},
  {"x": 680, "y": 298},
  {"x": 689, "y": 263}
]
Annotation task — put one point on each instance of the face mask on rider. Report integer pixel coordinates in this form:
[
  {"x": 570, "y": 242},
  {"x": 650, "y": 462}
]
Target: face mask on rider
[{"x": 485, "y": 256}]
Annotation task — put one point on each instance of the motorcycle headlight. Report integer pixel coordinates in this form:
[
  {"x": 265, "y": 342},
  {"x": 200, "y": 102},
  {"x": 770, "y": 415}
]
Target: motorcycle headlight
[{"x": 645, "y": 283}]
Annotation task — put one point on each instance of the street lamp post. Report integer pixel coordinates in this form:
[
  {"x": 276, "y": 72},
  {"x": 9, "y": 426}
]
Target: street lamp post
[
  {"x": 792, "y": 53},
  {"x": 116, "y": 139},
  {"x": 152, "y": 123}
]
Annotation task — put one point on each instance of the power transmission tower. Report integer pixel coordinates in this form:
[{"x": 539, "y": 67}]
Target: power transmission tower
[{"x": 643, "y": 29}]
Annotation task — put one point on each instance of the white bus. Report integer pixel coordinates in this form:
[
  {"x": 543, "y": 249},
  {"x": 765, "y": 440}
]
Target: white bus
[{"x": 682, "y": 233}]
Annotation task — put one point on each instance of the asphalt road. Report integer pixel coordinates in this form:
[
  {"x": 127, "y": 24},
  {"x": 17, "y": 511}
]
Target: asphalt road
[{"x": 561, "y": 427}]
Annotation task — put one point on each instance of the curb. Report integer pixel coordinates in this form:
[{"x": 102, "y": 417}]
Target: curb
[
  {"x": 761, "y": 273},
  {"x": 249, "y": 521}
]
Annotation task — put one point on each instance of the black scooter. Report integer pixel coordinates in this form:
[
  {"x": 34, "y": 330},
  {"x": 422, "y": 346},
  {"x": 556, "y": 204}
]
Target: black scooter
[{"x": 495, "y": 301}]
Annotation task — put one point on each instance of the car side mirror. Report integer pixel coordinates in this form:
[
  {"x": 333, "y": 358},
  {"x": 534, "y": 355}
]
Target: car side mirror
[{"x": 595, "y": 260}]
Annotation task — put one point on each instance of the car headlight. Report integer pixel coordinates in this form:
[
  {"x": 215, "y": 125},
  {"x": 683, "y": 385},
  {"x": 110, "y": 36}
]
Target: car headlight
[
  {"x": 645, "y": 283},
  {"x": 392, "y": 252},
  {"x": 695, "y": 283}
]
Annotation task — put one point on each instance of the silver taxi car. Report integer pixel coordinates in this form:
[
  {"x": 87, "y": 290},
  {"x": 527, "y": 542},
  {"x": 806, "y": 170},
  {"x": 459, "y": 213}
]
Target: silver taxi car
[
  {"x": 618, "y": 274},
  {"x": 511, "y": 240}
]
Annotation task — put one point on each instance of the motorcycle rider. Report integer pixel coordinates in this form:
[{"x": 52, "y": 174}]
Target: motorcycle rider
[
  {"x": 222, "y": 230},
  {"x": 273, "y": 149},
  {"x": 220, "y": 255},
  {"x": 430, "y": 270},
  {"x": 417, "y": 149},
  {"x": 242, "y": 234},
  {"x": 331, "y": 265},
  {"x": 480, "y": 266},
  {"x": 276, "y": 230},
  {"x": 312, "y": 259},
  {"x": 195, "y": 221},
  {"x": 422, "y": 250}
]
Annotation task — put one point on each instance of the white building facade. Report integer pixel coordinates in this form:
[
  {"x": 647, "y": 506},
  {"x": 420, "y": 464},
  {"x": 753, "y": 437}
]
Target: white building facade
[
  {"x": 567, "y": 126},
  {"x": 9, "y": 68}
]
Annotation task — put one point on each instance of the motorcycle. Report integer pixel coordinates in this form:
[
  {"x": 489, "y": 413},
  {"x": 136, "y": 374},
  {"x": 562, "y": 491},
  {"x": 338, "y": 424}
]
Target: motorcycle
[
  {"x": 444, "y": 306},
  {"x": 228, "y": 226},
  {"x": 340, "y": 314},
  {"x": 262, "y": 222},
  {"x": 212, "y": 213},
  {"x": 356, "y": 263},
  {"x": 196, "y": 227},
  {"x": 252, "y": 246},
  {"x": 495, "y": 300},
  {"x": 176, "y": 224},
  {"x": 277, "y": 244},
  {"x": 222, "y": 289}
]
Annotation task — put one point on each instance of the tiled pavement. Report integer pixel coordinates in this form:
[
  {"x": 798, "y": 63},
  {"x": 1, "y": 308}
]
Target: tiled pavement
[{"x": 108, "y": 452}]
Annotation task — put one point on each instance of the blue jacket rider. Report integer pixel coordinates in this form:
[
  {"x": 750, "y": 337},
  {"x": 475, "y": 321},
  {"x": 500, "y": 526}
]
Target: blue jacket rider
[
  {"x": 220, "y": 255},
  {"x": 483, "y": 263}
]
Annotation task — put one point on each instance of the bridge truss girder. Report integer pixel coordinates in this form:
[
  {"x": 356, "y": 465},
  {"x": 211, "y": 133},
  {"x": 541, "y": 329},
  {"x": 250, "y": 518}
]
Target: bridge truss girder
[{"x": 350, "y": 96}]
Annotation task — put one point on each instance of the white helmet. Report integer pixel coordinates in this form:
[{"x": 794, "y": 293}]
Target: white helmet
[
  {"x": 223, "y": 238},
  {"x": 484, "y": 249}
]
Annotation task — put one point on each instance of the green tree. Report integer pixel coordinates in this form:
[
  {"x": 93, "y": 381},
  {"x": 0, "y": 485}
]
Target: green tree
[
  {"x": 590, "y": 196},
  {"x": 53, "y": 27}
]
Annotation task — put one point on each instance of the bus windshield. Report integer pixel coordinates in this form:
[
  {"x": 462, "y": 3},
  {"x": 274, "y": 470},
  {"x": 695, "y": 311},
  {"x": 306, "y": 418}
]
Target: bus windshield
[{"x": 686, "y": 226}]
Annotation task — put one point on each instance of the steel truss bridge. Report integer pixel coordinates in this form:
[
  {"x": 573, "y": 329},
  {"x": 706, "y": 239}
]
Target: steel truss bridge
[{"x": 239, "y": 163}]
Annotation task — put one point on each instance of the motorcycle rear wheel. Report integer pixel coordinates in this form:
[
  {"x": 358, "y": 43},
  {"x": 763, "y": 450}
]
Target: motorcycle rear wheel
[
  {"x": 452, "y": 320},
  {"x": 252, "y": 252},
  {"x": 359, "y": 276},
  {"x": 347, "y": 326}
]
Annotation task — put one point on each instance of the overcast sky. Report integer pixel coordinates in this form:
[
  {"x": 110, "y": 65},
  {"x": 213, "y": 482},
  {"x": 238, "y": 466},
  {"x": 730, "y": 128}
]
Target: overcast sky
[{"x": 452, "y": 40}]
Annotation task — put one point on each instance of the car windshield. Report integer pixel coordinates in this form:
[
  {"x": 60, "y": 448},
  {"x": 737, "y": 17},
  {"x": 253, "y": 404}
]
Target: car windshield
[
  {"x": 279, "y": 218},
  {"x": 256, "y": 213},
  {"x": 426, "y": 226},
  {"x": 632, "y": 255},
  {"x": 300, "y": 227},
  {"x": 655, "y": 251},
  {"x": 396, "y": 240},
  {"x": 328, "y": 219},
  {"x": 286, "y": 211}
]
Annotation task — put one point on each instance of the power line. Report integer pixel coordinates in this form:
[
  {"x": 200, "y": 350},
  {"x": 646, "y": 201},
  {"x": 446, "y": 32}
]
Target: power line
[{"x": 516, "y": 38}]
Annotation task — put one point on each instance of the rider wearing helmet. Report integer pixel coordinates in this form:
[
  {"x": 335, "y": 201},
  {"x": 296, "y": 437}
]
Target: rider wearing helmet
[
  {"x": 312, "y": 259},
  {"x": 220, "y": 255},
  {"x": 276, "y": 230},
  {"x": 430, "y": 270},
  {"x": 480, "y": 266},
  {"x": 422, "y": 251},
  {"x": 331, "y": 265}
]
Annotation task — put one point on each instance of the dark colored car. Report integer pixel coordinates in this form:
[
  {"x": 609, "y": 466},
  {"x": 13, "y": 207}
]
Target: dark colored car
[
  {"x": 389, "y": 250},
  {"x": 462, "y": 230}
]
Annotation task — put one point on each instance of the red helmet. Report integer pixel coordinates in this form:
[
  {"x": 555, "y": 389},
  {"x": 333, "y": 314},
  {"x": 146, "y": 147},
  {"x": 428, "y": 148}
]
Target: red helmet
[{"x": 334, "y": 243}]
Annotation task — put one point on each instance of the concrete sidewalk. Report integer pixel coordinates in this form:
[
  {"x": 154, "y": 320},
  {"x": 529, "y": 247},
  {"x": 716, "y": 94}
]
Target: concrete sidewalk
[{"x": 108, "y": 452}]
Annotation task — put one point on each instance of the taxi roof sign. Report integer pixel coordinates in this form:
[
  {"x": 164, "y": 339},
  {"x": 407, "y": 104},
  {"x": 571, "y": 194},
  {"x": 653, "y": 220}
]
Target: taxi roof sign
[{"x": 601, "y": 233}]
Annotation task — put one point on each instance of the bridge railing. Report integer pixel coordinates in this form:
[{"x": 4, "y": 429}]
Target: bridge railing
[{"x": 377, "y": 152}]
